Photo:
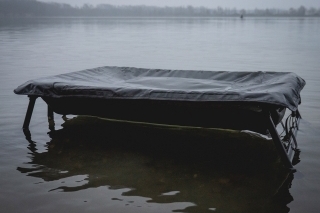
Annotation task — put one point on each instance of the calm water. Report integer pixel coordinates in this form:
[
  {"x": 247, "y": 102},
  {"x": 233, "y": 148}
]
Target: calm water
[{"x": 93, "y": 165}]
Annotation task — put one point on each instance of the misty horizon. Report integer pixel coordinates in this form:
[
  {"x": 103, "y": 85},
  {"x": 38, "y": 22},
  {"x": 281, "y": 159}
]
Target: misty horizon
[
  {"x": 33, "y": 8},
  {"x": 243, "y": 4},
  {"x": 226, "y": 4}
]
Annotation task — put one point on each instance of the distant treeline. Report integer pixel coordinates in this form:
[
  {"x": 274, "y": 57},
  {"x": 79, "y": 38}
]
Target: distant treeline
[{"x": 33, "y": 8}]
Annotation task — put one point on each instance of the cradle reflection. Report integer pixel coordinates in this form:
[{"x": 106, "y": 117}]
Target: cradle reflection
[{"x": 229, "y": 171}]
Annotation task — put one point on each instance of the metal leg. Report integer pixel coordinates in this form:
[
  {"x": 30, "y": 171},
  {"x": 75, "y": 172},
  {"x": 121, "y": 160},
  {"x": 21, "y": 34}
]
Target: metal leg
[
  {"x": 50, "y": 113},
  {"x": 32, "y": 144},
  {"x": 51, "y": 118},
  {"x": 278, "y": 143},
  {"x": 32, "y": 101}
]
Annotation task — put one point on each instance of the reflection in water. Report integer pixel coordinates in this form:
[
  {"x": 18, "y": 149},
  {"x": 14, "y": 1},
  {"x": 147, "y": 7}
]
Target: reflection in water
[{"x": 215, "y": 172}]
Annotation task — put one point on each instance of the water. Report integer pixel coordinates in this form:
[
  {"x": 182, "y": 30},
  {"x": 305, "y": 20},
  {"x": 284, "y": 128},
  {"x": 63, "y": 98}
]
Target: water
[{"x": 98, "y": 166}]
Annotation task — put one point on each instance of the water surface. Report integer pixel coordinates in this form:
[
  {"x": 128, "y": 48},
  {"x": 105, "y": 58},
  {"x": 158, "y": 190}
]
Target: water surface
[{"x": 90, "y": 164}]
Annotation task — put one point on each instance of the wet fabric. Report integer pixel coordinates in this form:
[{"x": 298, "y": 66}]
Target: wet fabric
[{"x": 276, "y": 88}]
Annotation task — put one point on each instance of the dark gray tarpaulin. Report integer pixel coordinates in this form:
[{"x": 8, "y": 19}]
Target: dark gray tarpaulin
[{"x": 276, "y": 88}]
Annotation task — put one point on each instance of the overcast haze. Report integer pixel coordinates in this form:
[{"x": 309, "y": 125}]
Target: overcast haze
[{"x": 246, "y": 4}]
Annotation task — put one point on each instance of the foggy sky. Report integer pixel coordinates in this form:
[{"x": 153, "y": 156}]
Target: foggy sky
[{"x": 239, "y": 4}]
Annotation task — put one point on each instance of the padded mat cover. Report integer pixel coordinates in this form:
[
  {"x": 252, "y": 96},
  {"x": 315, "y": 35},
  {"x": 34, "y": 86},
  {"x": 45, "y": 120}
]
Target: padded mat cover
[{"x": 276, "y": 88}]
